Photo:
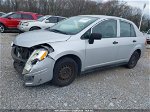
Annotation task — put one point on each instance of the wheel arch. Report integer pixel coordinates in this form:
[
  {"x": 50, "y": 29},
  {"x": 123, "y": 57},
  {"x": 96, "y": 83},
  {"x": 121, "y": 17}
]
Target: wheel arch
[
  {"x": 138, "y": 49},
  {"x": 75, "y": 58},
  {"x": 35, "y": 27},
  {"x": 3, "y": 24}
]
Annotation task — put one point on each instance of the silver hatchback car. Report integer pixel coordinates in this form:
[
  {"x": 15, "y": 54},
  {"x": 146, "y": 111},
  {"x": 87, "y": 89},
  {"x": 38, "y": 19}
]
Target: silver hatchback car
[{"x": 74, "y": 46}]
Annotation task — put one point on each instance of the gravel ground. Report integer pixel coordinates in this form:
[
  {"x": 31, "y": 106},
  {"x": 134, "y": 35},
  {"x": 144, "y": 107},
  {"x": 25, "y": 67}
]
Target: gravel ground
[{"x": 113, "y": 88}]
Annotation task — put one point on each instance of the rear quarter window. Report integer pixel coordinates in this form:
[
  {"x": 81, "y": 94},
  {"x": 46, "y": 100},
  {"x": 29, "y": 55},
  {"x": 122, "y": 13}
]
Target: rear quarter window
[{"x": 133, "y": 34}]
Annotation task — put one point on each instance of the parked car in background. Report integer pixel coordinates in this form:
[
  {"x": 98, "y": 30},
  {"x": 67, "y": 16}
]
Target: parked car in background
[
  {"x": 11, "y": 20},
  {"x": 41, "y": 23},
  {"x": 148, "y": 36},
  {"x": 2, "y": 13},
  {"x": 76, "y": 45}
]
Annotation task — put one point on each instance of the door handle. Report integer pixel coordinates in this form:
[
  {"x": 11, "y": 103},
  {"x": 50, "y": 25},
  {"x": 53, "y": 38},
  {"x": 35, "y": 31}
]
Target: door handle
[
  {"x": 134, "y": 41},
  {"x": 115, "y": 42}
]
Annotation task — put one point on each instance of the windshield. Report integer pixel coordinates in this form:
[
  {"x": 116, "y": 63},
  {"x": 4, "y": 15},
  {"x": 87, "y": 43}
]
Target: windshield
[
  {"x": 7, "y": 15},
  {"x": 42, "y": 18},
  {"x": 148, "y": 31},
  {"x": 73, "y": 25}
]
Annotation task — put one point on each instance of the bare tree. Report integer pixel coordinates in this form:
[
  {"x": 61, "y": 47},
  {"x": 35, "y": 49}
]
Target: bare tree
[{"x": 76, "y": 7}]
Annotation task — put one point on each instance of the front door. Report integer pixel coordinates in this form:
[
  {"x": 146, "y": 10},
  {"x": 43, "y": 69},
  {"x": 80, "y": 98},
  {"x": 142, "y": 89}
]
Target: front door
[
  {"x": 104, "y": 51},
  {"x": 13, "y": 20}
]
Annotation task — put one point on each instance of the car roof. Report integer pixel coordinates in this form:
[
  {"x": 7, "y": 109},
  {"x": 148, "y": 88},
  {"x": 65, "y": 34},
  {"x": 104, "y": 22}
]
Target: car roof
[
  {"x": 54, "y": 16},
  {"x": 27, "y": 12},
  {"x": 106, "y": 17}
]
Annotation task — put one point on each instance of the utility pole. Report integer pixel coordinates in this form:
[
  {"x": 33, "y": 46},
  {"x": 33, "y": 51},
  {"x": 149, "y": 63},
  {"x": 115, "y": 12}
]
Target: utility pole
[{"x": 142, "y": 16}]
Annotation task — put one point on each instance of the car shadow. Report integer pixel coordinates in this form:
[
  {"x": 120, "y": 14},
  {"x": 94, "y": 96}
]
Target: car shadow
[
  {"x": 12, "y": 31},
  {"x": 82, "y": 75},
  {"x": 101, "y": 69}
]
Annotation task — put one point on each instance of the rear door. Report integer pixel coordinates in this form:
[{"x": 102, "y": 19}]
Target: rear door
[
  {"x": 127, "y": 40},
  {"x": 27, "y": 17}
]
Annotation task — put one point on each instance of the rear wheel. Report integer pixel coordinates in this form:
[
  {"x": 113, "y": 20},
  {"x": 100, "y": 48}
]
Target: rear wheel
[
  {"x": 133, "y": 60},
  {"x": 2, "y": 28},
  {"x": 65, "y": 72},
  {"x": 34, "y": 28}
]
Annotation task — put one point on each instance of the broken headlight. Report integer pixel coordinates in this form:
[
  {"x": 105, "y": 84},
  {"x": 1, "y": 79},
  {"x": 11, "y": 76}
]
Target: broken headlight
[{"x": 36, "y": 56}]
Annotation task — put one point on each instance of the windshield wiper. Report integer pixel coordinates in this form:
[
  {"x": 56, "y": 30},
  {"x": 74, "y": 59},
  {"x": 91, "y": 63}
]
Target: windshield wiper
[{"x": 58, "y": 31}]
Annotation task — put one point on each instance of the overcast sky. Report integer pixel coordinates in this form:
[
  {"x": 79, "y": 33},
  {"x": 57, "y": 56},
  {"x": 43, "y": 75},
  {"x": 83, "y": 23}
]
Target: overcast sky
[{"x": 137, "y": 3}]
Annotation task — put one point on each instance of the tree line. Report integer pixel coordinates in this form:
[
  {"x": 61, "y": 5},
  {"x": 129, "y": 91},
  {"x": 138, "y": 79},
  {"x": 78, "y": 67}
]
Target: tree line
[{"x": 70, "y": 8}]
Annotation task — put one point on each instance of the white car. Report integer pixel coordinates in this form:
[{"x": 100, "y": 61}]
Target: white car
[
  {"x": 41, "y": 23},
  {"x": 2, "y": 13},
  {"x": 76, "y": 45},
  {"x": 148, "y": 36}
]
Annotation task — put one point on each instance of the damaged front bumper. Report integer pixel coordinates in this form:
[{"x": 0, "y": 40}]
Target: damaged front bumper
[{"x": 40, "y": 72}]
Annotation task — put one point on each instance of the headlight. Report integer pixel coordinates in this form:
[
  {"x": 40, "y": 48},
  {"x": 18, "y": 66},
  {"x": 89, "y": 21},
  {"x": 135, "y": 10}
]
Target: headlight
[
  {"x": 25, "y": 24},
  {"x": 39, "y": 54},
  {"x": 36, "y": 56}
]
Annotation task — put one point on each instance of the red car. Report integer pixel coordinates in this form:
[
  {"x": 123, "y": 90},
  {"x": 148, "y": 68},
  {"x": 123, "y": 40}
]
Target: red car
[{"x": 11, "y": 20}]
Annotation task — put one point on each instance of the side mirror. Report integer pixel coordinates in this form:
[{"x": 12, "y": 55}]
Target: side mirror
[
  {"x": 46, "y": 21},
  {"x": 94, "y": 36}
]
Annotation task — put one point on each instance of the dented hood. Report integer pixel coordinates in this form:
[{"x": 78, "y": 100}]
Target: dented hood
[{"x": 33, "y": 38}]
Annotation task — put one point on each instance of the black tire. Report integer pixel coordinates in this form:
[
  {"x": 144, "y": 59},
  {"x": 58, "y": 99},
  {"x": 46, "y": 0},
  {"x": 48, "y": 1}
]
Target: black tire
[
  {"x": 133, "y": 60},
  {"x": 34, "y": 28},
  {"x": 2, "y": 28},
  {"x": 65, "y": 72}
]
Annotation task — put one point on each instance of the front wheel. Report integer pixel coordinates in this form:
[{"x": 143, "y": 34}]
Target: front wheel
[
  {"x": 133, "y": 60},
  {"x": 2, "y": 28},
  {"x": 65, "y": 72}
]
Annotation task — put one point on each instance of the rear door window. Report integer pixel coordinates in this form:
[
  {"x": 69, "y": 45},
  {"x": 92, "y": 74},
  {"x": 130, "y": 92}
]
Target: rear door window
[
  {"x": 27, "y": 16},
  {"x": 53, "y": 19},
  {"x": 127, "y": 30}
]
